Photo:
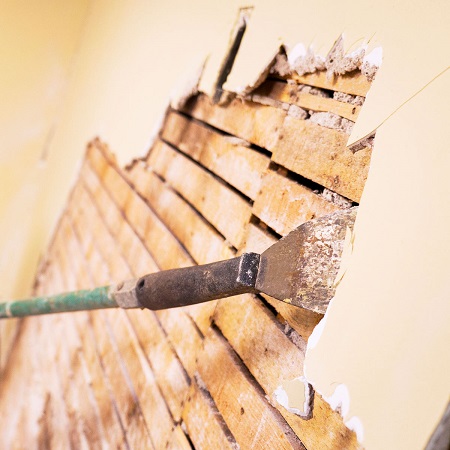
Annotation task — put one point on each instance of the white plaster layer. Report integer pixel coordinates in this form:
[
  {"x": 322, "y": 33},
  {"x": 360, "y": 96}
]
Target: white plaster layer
[{"x": 295, "y": 396}]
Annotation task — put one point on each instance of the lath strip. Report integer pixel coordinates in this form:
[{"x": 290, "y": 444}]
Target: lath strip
[{"x": 223, "y": 208}]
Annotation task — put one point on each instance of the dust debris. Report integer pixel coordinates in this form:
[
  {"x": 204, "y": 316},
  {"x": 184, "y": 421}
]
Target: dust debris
[
  {"x": 338, "y": 63},
  {"x": 304, "y": 61},
  {"x": 331, "y": 120},
  {"x": 357, "y": 100},
  {"x": 337, "y": 199}
]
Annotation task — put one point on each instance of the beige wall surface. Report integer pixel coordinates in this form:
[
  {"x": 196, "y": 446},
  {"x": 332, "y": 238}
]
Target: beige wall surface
[
  {"x": 75, "y": 70},
  {"x": 37, "y": 43},
  {"x": 38, "y": 40}
]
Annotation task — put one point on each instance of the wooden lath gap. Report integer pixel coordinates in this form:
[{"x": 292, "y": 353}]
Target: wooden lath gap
[
  {"x": 125, "y": 372},
  {"x": 283, "y": 324},
  {"x": 293, "y": 176},
  {"x": 223, "y": 133},
  {"x": 255, "y": 220},
  {"x": 212, "y": 404},
  {"x": 182, "y": 426},
  {"x": 316, "y": 188},
  {"x": 198, "y": 213},
  {"x": 90, "y": 331},
  {"x": 113, "y": 167},
  {"x": 235, "y": 41},
  {"x": 259, "y": 390},
  {"x": 217, "y": 177},
  {"x": 328, "y": 93},
  {"x": 197, "y": 329}
]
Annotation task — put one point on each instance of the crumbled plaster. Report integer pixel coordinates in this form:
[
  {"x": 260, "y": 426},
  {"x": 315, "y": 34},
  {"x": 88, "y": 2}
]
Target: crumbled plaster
[
  {"x": 297, "y": 112},
  {"x": 348, "y": 98},
  {"x": 339, "y": 63},
  {"x": 367, "y": 142},
  {"x": 305, "y": 89},
  {"x": 331, "y": 120},
  {"x": 371, "y": 62},
  {"x": 304, "y": 60},
  {"x": 281, "y": 64},
  {"x": 337, "y": 199}
]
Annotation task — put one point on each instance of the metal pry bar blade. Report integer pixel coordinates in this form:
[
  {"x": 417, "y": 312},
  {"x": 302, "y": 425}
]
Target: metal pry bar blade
[{"x": 301, "y": 268}]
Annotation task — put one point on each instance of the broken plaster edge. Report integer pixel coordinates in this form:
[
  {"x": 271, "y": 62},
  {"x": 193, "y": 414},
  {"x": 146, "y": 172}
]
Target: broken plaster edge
[
  {"x": 339, "y": 400},
  {"x": 302, "y": 60},
  {"x": 281, "y": 396}
]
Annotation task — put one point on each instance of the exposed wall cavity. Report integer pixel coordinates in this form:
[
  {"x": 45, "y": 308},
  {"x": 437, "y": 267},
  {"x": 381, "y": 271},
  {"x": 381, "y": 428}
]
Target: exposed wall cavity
[{"x": 235, "y": 41}]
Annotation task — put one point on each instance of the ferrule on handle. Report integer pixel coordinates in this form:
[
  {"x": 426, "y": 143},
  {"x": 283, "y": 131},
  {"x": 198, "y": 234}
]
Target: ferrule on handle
[{"x": 190, "y": 285}]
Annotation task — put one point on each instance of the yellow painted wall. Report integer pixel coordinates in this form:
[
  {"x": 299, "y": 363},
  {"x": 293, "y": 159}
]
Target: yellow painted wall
[{"x": 37, "y": 44}]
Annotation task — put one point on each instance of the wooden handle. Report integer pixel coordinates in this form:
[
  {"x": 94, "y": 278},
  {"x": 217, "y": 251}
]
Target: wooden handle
[{"x": 197, "y": 284}]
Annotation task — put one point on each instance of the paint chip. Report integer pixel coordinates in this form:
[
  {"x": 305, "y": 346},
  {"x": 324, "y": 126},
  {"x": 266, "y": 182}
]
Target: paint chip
[{"x": 296, "y": 396}]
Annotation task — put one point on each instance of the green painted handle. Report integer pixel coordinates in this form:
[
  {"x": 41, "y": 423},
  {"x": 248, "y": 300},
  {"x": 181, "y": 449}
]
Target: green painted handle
[{"x": 98, "y": 298}]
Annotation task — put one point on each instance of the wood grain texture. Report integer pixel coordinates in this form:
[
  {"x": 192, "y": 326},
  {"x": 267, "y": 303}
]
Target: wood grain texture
[
  {"x": 201, "y": 240},
  {"x": 354, "y": 83},
  {"x": 204, "y": 423},
  {"x": 293, "y": 95},
  {"x": 320, "y": 154},
  {"x": 258, "y": 124},
  {"x": 284, "y": 204},
  {"x": 253, "y": 422},
  {"x": 227, "y": 211},
  {"x": 230, "y": 158},
  {"x": 313, "y": 151}
]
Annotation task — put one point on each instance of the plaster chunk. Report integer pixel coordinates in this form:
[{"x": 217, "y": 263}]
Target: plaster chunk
[
  {"x": 281, "y": 65},
  {"x": 304, "y": 61},
  {"x": 357, "y": 100},
  {"x": 331, "y": 120},
  {"x": 296, "y": 396},
  {"x": 338, "y": 63},
  {"x": 297, "y": 112},
  {"x": 337, "y": 199}
]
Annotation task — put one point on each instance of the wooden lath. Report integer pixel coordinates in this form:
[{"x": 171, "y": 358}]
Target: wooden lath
[{"x": 218, "y": 181}]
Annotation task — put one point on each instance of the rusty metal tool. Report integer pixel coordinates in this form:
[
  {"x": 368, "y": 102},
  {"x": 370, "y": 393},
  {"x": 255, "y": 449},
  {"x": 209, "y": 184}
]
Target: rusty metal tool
[{"x": 299, "y": 269}]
